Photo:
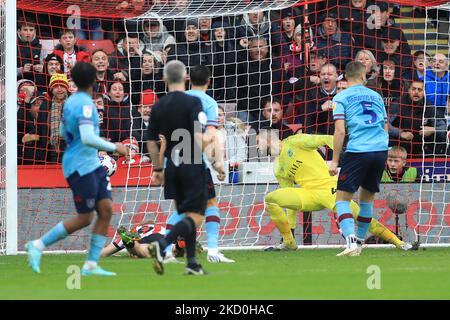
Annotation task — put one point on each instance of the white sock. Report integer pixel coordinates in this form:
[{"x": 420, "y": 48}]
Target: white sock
[
  {"x": 38, "y": 244},
  {"x": 89, "y": 265},
  {"x": 213, "y": 251},
  {"x": 351, "y": 241}
]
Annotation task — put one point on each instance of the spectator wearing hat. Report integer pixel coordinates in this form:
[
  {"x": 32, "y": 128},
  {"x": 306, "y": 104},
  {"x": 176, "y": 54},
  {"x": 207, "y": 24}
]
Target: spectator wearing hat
[
  {"x": 141, "y": 118},
  {"x": 331, "y": 41},
  {"x": 255, "y": 24},
  {"x": 105, "y": 76},
  {"x": 28, "y": 50},
  {"x": 223, "y": 63},
  {"x": 287, "y": 37},
  {"x": 391, "y": 50},
  {"x": 50, "y": 116},
  {"x": 149, "y": 76},
  {"x": 293, "y": 68},
  {"x": 117, "y": 113},
  {"x": 52, "y": 64},
  {"x": 353, "y": 16},
  {"x": 69, "y": 51},
  {"x": 191, "y": 51},
  {"x": 132, "y": 158},
  {"x": 155, "y": 36},
  {"x": 381, "y": 26}
]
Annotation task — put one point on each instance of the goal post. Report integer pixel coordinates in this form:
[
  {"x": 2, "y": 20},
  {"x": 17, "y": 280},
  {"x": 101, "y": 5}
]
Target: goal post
[
  {"x": 41, "y": 196},
  {"x": 8, "y": 136}
]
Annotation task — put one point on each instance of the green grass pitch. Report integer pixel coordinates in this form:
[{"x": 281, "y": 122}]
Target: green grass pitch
[{"x": 304, "y": 274}]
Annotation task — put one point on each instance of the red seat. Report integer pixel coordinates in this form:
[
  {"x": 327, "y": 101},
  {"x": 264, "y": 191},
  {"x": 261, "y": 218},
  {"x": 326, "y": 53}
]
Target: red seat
[
  {"x": 92, "y": 45},
  {"x": 295, "y": 127}
]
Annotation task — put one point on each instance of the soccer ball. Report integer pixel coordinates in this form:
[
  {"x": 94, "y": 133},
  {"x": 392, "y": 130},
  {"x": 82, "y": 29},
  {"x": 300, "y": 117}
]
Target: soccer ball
[{"x": 109, "y": 164}]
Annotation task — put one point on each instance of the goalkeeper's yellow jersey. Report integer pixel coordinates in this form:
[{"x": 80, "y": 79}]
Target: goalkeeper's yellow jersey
[{"x": 300, "y": 163}]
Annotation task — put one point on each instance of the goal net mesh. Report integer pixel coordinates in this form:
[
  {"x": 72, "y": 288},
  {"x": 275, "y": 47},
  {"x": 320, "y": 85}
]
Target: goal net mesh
[{"x": 274, "y": 64}]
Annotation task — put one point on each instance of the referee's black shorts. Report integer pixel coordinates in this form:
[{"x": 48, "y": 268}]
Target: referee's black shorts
[
  {"x": 188, "y": 186},
  {"x": 361, "y": 170}
]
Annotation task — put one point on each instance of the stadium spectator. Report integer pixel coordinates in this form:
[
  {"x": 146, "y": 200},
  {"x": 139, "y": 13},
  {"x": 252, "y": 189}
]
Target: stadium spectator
[
  {"x": 148, "y": 77},
  {"x": 105, "y": 76},
  {"x": 341, "y": 85},
  {"x": 232, "y": 132},
  {"x": 127, "y": 56},
  {"x": 272, "y": 117},
  {"x": 319, "y": 106},
  {"x": 332, "y": 42},
  {"x": 381, "y": 26},
  {"x": 72, "y": 87},
  {"x": 133, "y": 157},
  {"x": 69, "y": 51},
  {"x": 191, "y": 51},
  {"x": 316, "y": 61},
  {"x": 421, "y": 64},
  {"x": 391, "y": 84},
  {"x": 414, "y": 119},
  {"x": 100, "y": 104},
  {"x": 50, "y": 115},
  {"x": 437, "y": 81},
  {"x": 397, "y": 169},
  {"x": 391, "y": 50},
  {"x": 156, "y": 37},
  {"x": 141, "y": 118},
  {"x": 204, "y": 24},
  {"x": 353, "y": 16},
  {"x": 255, "y": 24},
  {"x": 52, "y": 65},
  {"x": 293, "y": 70},
  {"x": 28, "y": 151},
  {"x": 28, "y": 50},
  {"x": 257, "y": 80},
  {"x": 117, "y": 113},
  {"x": 287, "y": 38},
  {"x": 372, "y": 70},
  {"x": 223, "y": 63}
]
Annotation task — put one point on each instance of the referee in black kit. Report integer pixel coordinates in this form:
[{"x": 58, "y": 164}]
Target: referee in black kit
[{"x": 180, "y": 119}]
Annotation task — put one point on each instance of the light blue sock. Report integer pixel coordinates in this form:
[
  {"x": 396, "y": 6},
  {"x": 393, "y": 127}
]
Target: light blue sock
[
  {"x": 97, "y": 243},
  {"x": 364, "y": 219},
  {"x": 345, "y": 218},
  {"x": 173, "y": 220},
  {"x": 212, "y": 224},
  {"x": 55, "y": 234}
]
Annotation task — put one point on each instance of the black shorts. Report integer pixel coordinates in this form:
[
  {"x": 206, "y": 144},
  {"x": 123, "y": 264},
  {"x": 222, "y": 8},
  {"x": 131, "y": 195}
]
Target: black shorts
[
  {"x": 89, "y": 189},
  {"x": 188, "y": 186},
  {"x": 211, "y": 188},
  {"x": 151, "y": 238},
  {"x": 362, "y": 170}
]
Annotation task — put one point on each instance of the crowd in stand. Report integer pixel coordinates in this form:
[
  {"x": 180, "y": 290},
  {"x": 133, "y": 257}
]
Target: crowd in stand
[{"x": 268, "y": 71}]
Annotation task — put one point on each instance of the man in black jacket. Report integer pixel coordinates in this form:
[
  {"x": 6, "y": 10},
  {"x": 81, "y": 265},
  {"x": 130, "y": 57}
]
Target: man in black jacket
[
  {"x": 258, "y": 79},
  {"x": 28, "y": 50},
  {"x": 413, "y": 120}
]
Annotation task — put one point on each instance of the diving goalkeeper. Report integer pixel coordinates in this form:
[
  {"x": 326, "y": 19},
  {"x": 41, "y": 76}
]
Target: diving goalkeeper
[{"x": 299, "y": 163}]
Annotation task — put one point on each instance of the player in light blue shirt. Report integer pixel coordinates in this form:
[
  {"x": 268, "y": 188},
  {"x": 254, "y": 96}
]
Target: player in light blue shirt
[
  {"x": 86, "y": 177},
  {"x": 361, "y": 112},
  {"x": 200, "y": 77}
]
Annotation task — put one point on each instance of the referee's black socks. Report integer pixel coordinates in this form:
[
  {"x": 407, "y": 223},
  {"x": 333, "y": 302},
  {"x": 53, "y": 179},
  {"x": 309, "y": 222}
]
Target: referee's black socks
[{"x": 185, "y": 228}]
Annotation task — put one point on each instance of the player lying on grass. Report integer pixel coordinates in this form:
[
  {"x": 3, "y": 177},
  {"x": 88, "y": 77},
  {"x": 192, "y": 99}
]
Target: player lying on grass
[
  {"x": 299, "y": 163},
  {"x": 136, "y": 241}
]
